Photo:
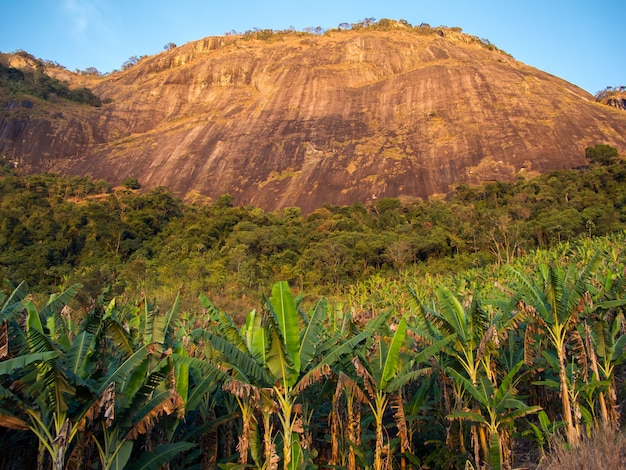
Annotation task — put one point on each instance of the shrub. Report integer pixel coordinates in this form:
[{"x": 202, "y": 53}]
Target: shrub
[
  {"x": 131, "y": 183},
  {"x": 605, "y": 449}
]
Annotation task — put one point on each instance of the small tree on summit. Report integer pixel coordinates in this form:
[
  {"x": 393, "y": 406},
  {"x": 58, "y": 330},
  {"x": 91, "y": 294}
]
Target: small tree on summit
[{"x": 130, "y": 62}]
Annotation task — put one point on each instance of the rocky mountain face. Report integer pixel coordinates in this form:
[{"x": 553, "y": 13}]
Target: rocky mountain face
[
  {"x": 302, "y": 120},
  {"x": 613, "y": 97}
]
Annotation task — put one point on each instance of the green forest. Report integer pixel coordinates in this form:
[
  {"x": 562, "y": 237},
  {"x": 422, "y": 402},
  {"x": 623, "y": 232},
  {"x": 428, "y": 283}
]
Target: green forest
[
  {"x": 18, "y": 83},
  {"x": 480, "y": 330}
]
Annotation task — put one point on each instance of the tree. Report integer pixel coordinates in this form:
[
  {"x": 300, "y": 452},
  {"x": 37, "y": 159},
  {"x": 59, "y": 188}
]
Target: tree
[
  {"x": 94, "y": 383},
  {"x": 605, "y": 342},
  {"x": 84, "y": 95},
  {"x": 602, "y": 154},
  {"x": 280, "y": 354},
  {"x": 131, "y": 183},
  {"x": 399, "y": 253},
  {"x": 132, "y": 61}
]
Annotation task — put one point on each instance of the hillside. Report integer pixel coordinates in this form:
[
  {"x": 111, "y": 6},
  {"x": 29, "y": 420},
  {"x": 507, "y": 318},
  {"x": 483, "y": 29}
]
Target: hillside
[{"x": 294, "y": 119}]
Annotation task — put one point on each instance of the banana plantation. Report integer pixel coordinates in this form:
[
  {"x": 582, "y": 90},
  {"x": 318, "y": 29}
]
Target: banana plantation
[{"x": 480, "y": 369}]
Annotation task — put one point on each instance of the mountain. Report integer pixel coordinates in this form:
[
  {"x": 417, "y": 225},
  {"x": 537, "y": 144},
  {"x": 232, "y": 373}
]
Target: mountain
[{"x": 281, "y": 119}]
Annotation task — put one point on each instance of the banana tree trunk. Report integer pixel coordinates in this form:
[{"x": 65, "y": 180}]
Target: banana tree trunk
[
  {"x": 354, "y": 434},
  {"x": 572, "y": 435},
  {"x": 495, "y": 451},
  {"x": 380, "y": 405},
  {"x": 271, "y": 461},
  {"x": 378, "y": 456},
  {"x": 596, "y": 375},
  {"x": 612, "y": 398},
  {"x": 244, "y": 439},
  {"x": 477, "y": 443},
  {"x": 334, "y": 432},
  {"x": 352, "y": 439},
  {"x": 287, "y": 444}
]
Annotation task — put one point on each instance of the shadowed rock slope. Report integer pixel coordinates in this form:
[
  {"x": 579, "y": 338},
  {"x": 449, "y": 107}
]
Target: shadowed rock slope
[{"x": 303, "y": 120}]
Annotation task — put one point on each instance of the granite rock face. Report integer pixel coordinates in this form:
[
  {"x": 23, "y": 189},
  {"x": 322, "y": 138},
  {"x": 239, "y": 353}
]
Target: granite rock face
[
  {"x": 618, "y": 102},
  {"x": 305, "y": 120}
]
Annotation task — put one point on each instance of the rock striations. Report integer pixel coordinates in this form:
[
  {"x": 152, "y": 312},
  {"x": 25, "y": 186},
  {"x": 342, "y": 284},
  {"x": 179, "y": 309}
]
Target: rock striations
[{"x": 303, "y": 120}]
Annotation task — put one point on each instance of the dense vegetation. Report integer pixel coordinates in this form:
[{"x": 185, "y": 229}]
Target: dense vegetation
[
  {"x": 18, "y": 83},
  {"x": 464, "y": 369},
  {"x": 433, "y": 333},
  {"x": 57, "y": 231}
]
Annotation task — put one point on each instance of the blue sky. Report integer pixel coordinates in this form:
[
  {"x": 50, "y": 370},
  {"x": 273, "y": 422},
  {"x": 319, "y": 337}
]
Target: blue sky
[{"x": 579, "y": 41}]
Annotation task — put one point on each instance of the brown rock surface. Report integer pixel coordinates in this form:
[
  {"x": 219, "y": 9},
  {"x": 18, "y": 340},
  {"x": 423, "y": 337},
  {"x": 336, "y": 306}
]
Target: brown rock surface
[{"x": 303, "y": 120}]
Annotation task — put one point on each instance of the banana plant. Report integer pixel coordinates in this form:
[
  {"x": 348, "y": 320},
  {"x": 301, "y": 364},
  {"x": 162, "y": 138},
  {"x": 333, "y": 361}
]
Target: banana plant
[
  {"x": 275, "y": 357},
  {"x": 286, "y": 352},
  {"x": 343, "y": 344},
  {"x": 477, "y": 334},
  {"x": 149, "y": 380},
  {"x": 245, "y": 377},
  {"x": 553, "y": 304},
  {"x": 606, "y": 349},
  {"x": 53, "y": 366},
  {"x": 383, "y": 373},
  {"x": 131, "y": 405},
  {"x": 499, "y": 406},
  {"x": 604, "y": 341}
]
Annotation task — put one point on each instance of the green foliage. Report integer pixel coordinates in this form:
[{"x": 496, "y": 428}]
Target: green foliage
[
  {"x": 131, "y": 183},
  {"x": 602, "y": 154},
  {"x": 60, "y": 230},
  {"x": 405, "y": 388},
  {"x": 37, "y": 83}
]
